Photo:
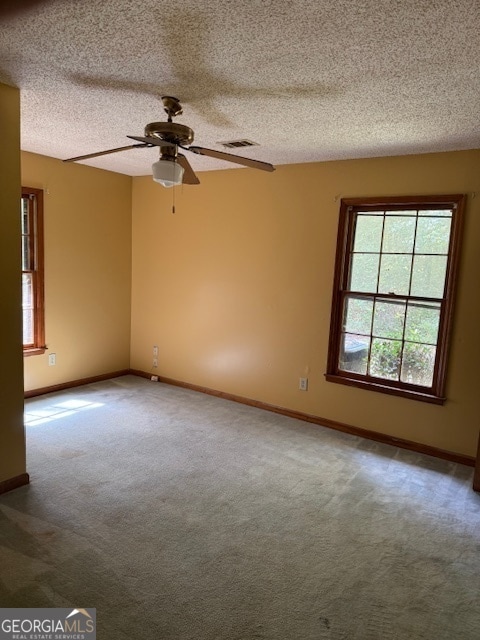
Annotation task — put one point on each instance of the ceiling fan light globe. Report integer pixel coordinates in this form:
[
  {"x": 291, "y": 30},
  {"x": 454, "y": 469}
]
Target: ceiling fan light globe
[{"x": 167, "y": 173}]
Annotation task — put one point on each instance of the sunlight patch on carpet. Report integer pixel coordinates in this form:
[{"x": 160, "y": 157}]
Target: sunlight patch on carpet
[{"x": 35, "y": 417}]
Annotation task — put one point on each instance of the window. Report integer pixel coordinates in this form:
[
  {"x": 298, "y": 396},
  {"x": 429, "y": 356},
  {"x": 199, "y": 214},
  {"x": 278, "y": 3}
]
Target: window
[
  {"x": 32, "y": 271},
  {"x": 393, "y": 294}
]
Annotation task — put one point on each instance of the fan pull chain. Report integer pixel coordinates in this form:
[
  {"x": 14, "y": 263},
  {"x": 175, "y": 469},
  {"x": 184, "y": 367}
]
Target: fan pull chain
[{"x": 173, "y": 199}]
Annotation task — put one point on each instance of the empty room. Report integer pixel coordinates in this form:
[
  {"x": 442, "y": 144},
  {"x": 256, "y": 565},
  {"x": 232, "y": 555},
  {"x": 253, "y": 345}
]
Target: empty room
[{"x": 239, "y": 246}]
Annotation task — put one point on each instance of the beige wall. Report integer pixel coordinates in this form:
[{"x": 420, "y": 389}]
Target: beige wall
[
  {"x": 87, "y": 270},
  {"x": 12, "y": 437},
  {"x": 236, "y": 287}
]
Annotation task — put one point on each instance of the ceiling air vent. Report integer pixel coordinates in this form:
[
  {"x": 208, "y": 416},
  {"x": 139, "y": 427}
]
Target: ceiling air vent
[{"x": 235, "y": 144}]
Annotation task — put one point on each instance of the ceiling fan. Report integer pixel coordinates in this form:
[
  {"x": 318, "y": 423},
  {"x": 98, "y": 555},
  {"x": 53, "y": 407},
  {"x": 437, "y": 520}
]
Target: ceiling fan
[{"x": 173, "y": 167}]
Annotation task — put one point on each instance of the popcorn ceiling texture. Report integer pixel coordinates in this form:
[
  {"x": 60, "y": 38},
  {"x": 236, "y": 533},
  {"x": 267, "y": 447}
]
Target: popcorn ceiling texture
[{"x": 309, "y": 80}]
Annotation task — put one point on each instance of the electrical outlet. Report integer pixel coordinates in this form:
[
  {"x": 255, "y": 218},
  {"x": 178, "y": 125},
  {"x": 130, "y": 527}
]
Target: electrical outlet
[
  {"x": 155, "y": 363},
  {"x": 52, "y": 359},
  {"x": 303, "y": 384},
  {"x": 155, "y": 351}
]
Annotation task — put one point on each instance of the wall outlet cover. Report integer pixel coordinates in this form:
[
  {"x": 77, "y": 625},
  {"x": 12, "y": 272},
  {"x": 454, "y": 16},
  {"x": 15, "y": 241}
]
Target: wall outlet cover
[{"x": 303, "y": 384}]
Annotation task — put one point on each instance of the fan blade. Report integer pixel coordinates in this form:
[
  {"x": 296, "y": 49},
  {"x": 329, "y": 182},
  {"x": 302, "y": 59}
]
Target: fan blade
[
  {"x": 104, "y": 153},
  {"x": 230, "y": 157},
  {"x": 189, "y": 176},
  {"x": 156, "y": 142}
]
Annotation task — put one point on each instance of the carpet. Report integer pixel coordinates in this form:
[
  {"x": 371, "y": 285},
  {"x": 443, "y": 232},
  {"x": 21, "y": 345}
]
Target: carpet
[{"x": 182, "y": 516}]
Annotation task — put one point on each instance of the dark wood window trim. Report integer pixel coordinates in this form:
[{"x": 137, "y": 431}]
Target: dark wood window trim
[
  {"x": 349, "y": 206},
  {"x": 35, "y": 268}
]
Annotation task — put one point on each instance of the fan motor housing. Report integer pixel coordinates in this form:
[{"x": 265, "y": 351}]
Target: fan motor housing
[{"x": 170, "y": 132}]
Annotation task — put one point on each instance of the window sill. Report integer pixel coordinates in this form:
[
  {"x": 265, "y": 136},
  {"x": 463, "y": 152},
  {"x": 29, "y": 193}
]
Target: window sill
[
  {"x": 381, "y": 388},
  {"x": 34, "y": 351}
]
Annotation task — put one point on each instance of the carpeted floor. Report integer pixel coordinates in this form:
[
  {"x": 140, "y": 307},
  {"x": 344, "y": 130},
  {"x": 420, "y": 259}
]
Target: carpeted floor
[{"x": 181, "y": 516}]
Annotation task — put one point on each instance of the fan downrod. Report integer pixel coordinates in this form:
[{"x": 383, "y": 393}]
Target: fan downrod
[{"x": 172, "y": 107}]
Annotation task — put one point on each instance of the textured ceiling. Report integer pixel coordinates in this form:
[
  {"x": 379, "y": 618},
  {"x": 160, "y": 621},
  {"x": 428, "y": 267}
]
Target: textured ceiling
[{"x": 307, "y": 80}]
